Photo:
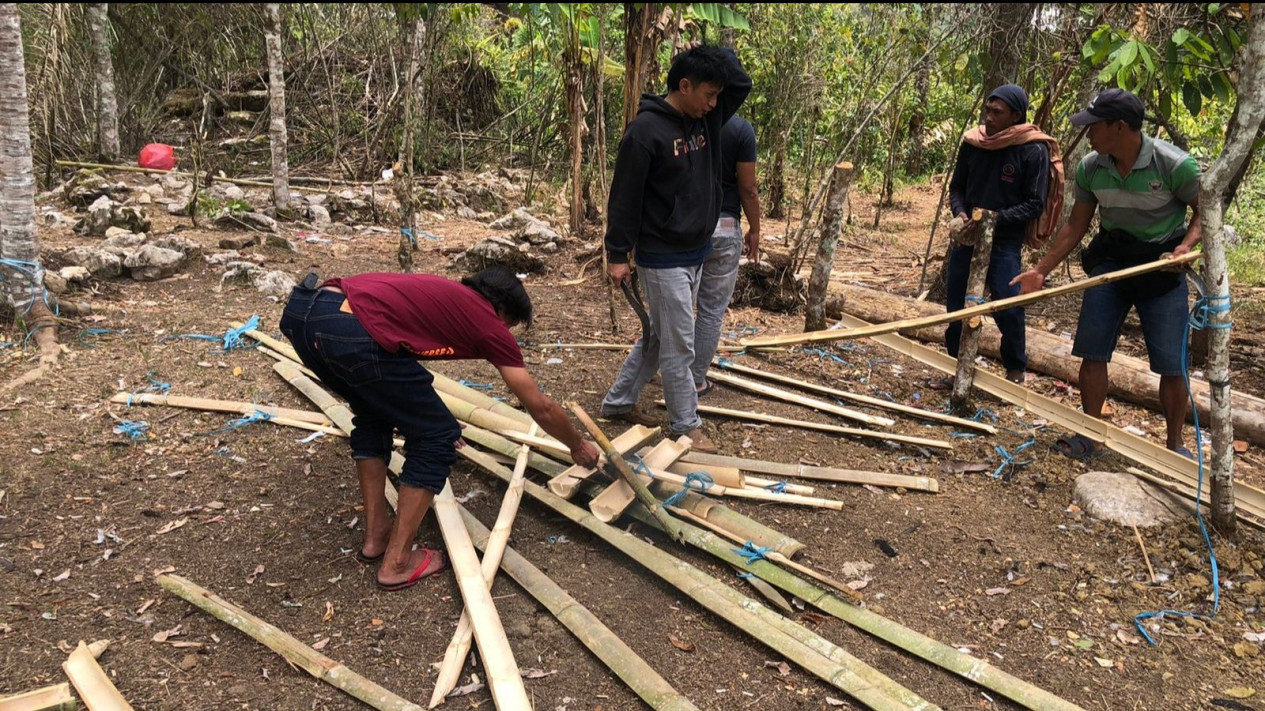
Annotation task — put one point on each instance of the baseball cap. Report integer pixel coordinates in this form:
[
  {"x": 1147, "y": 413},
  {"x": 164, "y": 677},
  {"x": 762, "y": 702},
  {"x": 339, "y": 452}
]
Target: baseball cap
[{"x": 1112, "y": 104}]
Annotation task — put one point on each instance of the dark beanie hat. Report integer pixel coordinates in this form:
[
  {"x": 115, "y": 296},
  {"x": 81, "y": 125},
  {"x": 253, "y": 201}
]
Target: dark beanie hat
[{"x": 1015, "y": 97}]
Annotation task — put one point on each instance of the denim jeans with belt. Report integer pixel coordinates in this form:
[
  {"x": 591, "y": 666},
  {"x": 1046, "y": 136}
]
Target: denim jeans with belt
[{"x": 386, "y": 391}]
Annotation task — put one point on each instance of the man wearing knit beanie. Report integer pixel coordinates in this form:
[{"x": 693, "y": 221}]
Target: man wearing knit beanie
[{"x": 1009, "y": 166}]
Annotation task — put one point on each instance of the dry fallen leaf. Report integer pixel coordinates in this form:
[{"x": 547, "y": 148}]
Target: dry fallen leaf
[
  {"x": 683, "y": 646},
  {"x": 998, "y": 624},
  {"x": 1104, "y": 663},
  {"x": 250, "y": 579},
  {"x": 321, "y": 644},
  {"x": 1128, "y": 637},
  {"x": 163, "y": 636},
  {"x": 1020, "y": 581},
  {"x": 172, "y": 526},
  {"x": 831, "y": 701},
  {"x": 534, "y": 673},
  {"x": 329, "y": 612},
  {"x": 37, "y": 546},
  {"x": 1240, "y": 692},
  {"x": 463, "y": 690},
  {"x": 375, "y": 622},
  {"x": 997, "y": 591},
  {"x": 782, "y": 667}
]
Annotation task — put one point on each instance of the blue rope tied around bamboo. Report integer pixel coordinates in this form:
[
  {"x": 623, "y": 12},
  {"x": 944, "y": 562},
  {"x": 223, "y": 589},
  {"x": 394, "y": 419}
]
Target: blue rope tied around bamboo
[
  {"x": 134, "y": 430},
  {"x": 752, "y": 552},
  {"x": 1199, "y": 319},
  {"x": 641, "y": 468},
  {"x": 1008, "y": 458},
  {"x": 155, "y": 386},
  {"x": 699, "y": 481},
  {"x": 777, "y": 487},
  {"x": 476, "y": 386},
  {"x": 231, "y": 339},
  {"x": 256, "y": 416}
]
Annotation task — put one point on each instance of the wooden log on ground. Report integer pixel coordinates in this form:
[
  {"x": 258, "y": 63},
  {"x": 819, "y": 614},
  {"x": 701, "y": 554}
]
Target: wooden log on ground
[
  {"x": 787, "y": 396},
  {"x": 968, "y": 344},
  {"x": 862, "y": 399},
  {"x": 597, "y": 637},
  {"x": 90, "y": 680},
  {"x": 807, "y": 424},
  {"x": 870, "y": 330},
  {"x": 50, "y": 698},
  {"x": 1128, "y": 378},
  {"x": 803, "y": 471},
  {"x": 292, "y": 650}
]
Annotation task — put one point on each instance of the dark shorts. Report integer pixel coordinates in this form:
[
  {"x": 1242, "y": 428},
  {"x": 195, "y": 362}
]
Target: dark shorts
[
  {"x": 1163, "y": 317},
  {"x": 385, "y": 391}
]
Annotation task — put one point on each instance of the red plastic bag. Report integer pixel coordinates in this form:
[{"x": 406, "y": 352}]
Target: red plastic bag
[{"x": 157, "y": 156}]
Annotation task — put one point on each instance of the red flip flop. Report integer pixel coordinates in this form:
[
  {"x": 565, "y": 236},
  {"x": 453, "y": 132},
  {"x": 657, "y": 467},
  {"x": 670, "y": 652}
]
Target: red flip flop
[{"x": 417, "y": 574}]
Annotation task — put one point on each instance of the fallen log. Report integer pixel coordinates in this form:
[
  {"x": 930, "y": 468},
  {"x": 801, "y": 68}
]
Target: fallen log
[{"x": 1128, "y": 378}]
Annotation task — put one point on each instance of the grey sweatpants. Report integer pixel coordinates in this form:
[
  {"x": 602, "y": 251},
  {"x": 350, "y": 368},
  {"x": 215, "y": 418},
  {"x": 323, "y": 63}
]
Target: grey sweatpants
[{"x": 720, "y": 272}]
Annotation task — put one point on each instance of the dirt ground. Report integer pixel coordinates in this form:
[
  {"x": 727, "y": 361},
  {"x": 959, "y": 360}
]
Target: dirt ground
[{"x": 1003, "y": 568}]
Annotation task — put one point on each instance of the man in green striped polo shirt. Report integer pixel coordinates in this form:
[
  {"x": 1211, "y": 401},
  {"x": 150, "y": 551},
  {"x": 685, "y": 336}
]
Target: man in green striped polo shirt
[{"x": 1141, "y": 188}]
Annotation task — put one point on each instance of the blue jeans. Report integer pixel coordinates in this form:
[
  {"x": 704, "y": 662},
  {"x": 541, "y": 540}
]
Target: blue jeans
[
  {"x": 1163, "y": 318},
  {"x": 385, "y": 390},
  {"x": 1004, "y": 264},
  {"x": 720, "y": 273}
]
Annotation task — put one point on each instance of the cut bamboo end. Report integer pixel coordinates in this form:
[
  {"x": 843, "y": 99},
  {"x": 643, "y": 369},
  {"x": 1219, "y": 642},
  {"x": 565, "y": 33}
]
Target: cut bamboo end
[
  {"x": 94, "y": 687},
  {"x": 566, "y": 483},
  {"x": 608, "y": 505},
  {"x": 50, "y": 698}
]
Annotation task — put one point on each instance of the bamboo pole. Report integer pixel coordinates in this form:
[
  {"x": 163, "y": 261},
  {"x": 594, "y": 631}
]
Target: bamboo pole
[
  {"x": 616, "y": 462},
  {"x": 787, "y": 487},
  {"x": 776, "y": 557},
  {"x": 809, "y": 425},
  {"x": 968, "y": 346},
  {"x": 725, "y": 476},
  {"x": 499, "y": 664},
  {"x": 180, "y": 173},
  {"x": 749, "y": 493},
  {"x": 50, "y": 698},
  {"x": 609, "y": 504},
  {"x": 475, "y": 415},
  {"x": 787, "y": 396},
  {"x": 291, "y": 649},
  {"x": 592, "y": 633},
  {"x": 199, "y": 403},
  {"x": 802, "y": 471},
  {"x": 842, "y": 671},
  {"x": 459, "y": 646},
  {"x": 990, "y": 307},
  {"x": 280, "y": 356},
  {"x": 863, "y": 399},
  {"x": 1251, "y": 500},
  {"x": 564, "y": 485},
  {"x": 90, "y": 680}
]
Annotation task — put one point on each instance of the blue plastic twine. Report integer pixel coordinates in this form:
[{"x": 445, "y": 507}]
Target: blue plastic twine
[
  {"x": 697, "y": 481},
  {"x": 752, "y": 552}
]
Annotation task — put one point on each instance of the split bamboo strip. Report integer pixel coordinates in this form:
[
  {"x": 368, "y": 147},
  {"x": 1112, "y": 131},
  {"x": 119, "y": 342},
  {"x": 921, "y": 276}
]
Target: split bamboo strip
[
  {"x": 499, "y": 664},
  {"x": 616, "y": 347},
  {"x": 725, "y": 476},
  {"x": 841, "y": 670},
  {"x": 608, "y": 505},
  {"x": 988, "y": 308},
  {"x": 279, "y": 356},
  {"x": 615, "y": 461},
  {"x": 201, "y": 403},
  {"x": 281, "y": 347},
  {"x": 803, "y": 471},
  {"x": 597, "y": 637},
  {"x": 787, "y": 396},
  {"x": 805, "y": 424},
  {"x": 787, "y": 487},
  {"x": 1251, "y": 500},
  {"x": 493, "y": 441},
  {"x": 749, "y": 493},
  {"x": 556, "y": 449},
  {"x": 938, "y": 653},
  {"x": 292, "y": 650},
  {"x": 94, "y": 687},
  {"x": 50, "y": 698},
  {"x": 776, "y": 557},
  {"x": 484, "y": 418},
  {"x": 445, "y": 384},
  {"x": 863, "y": 399},
  {"x": 630, "y": 439},
  {"x": 459, "y": 647}
]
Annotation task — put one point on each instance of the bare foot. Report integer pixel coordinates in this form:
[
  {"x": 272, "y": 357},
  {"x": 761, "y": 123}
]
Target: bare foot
[
  {"x": 375, "y": 544},
  {"x": 420, "y": 563}
]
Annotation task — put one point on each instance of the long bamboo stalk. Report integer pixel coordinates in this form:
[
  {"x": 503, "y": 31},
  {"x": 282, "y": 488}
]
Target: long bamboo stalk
[
  {"x": 809, "y": 425},
  {"x": 751, "y": 493},
  {"x": 803, "y": 471},
  {"x": 1251, "y": 500},
  {"x": 280, "y": 356},
  {"x": 788, "y": 396},
  {"x": 564, "y": 485},
  {"x": 863, "y": 399},
  {"x": 50, "y": 698},
  {"x": 755, "y": 482},
  {"x": 848, "y": 674},
  {"x": 475, "y": 415},
  {"x": 94, "y": 687},
  {"x": 990, "y": 307},
  {"x": 294, "y": 651},
  {"x": 725, "y": 476},
  {"x": 616, "y": 462},
  {"x": 499, "y": 664},
  {"x": 200, "y": 403},
  {"x": 608, "y": 505},
  {"x": 459, "y": 646},
  {"x": 592, "y": 633}
]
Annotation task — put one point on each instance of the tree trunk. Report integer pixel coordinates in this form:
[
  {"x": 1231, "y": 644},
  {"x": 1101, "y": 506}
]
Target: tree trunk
[
  {"x": 1011, "y": 26},
  {"x": 776, "y": 179},
  {"x": 107, "y": 103},
  {"x": 1129, "y": 378},
  {"x": 918, "y": 119},
  {"x": 277, "y": 136},
  {"x": 968, "y": 346},
  {"x": 575, "y": 118},
  {"x": 404, "y": 188},
  {"x": 1249, "y": 117},
  {"x": 19, "y": 243},
  {"x": 831, "y": 227},
  {"x": 639, "y": 24}
]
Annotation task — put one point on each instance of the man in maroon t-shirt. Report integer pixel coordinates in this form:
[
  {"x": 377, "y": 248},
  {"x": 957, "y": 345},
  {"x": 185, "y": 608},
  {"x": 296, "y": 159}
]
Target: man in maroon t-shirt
[{"x": 362, "y": 336}]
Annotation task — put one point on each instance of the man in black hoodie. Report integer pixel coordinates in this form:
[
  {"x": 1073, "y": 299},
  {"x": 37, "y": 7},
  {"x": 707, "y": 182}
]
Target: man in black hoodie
[{"x": 664, "y": 204}]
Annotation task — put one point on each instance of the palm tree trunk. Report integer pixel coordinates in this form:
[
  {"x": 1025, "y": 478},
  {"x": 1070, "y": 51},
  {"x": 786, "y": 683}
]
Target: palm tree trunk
[
  {"x": 107, "y": 104},
  {"x": 277, "y": 135},
  {"x": 20, "y": 268}
]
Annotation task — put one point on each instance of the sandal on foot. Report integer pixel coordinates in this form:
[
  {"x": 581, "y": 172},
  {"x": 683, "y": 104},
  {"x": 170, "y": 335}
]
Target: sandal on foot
[
  {"x": 1078, "y": 447},
  {"x": 707, "y": 387},
  {"x": 1185, "y": 453},
  {"x": 417, "y": 574}
]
